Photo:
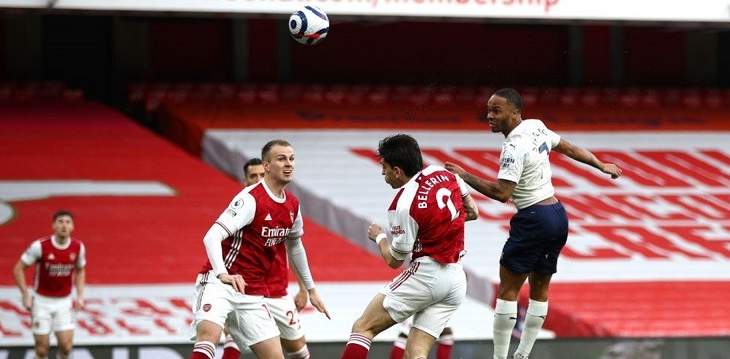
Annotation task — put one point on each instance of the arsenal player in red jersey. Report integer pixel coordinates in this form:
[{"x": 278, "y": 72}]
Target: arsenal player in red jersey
[
  {"x": 246, "y": 247},
  {"x": 59, "y": 266},
  {"x": 426, "y": 220}
]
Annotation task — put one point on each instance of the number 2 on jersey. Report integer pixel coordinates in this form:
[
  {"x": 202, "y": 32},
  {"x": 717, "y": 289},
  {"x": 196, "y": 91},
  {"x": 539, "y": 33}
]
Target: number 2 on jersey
[{"x": 448, "y": 203}]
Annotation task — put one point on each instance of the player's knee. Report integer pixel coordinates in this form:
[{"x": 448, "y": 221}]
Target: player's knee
[
  {"x": 208, "y": 331},
  {"x": 292, "y": 346},
  {"x": 509, "y": 292},
  {"x": 41, "y": 351},
  {"x": 65, "y": 348}
]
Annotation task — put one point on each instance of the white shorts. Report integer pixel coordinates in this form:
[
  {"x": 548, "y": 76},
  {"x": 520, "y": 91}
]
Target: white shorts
[
  {"x": 246, "y": 317},
  {"x": 429, "y": 291},
  {"x": 286, "y": 316},
  {"x": 51, "y": 314}
]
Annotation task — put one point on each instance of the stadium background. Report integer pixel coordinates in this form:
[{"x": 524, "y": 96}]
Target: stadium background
[{"x": 138, "y": 119}]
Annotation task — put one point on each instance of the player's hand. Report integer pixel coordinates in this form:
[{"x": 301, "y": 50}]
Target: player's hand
[
  {"x": 373, "y": 231},
  {"x": 79, "y": 303},
  {"x": 27, "y": 301},
  {"x": 317, "y": 302},
  {"x": 300, "y": 300},
  {"x": 612, "y": 169},
  {"x": 454, "y": 168},
  {"x": 235, "y": 280}
]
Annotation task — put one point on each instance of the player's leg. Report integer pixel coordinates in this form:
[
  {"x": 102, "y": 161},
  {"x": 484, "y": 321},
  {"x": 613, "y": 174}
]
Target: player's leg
[
  {"x": 537, "y": 310},
  {"x": 419, "y": 344},
  {"x": 211, "y": 306},
  {"x": 449, "y": 292},
  {"x": 41, "y": 322},
  {"x": 65, "y": 343},
  {"x": 268, "y": 349},
  {"x": 287, "y": 320},
  {"x": 41, "y": 345},
  {"x": 399, "y": 345},
  {"x": 520, "y": 256},
  {"x": 230, "y": 348},
  {"x": 444, "y": 344},
  {"x": 253, "y": 326},
  {"x": 373, "y": 320},
  {"x": 505, "y": 310},
  {"x": 63, "y": 326},
  {"x": 554, "y": 227},
  {"x": 295, "y": 349},
  {"x": 206, "y": 334}
]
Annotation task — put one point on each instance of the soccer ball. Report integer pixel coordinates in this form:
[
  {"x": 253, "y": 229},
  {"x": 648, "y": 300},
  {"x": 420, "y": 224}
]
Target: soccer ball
[{"x": 309, "y": 25}]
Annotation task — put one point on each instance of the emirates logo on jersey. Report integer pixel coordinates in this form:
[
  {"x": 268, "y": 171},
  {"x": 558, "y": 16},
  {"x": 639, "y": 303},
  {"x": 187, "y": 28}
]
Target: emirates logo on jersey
[{"x": 274, "y": 236}]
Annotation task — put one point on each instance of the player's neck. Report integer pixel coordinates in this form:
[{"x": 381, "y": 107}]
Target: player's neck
[
  {"x": 60, "y": 240},
  {"x": 512, "y": 127},
  {"x": 276, "y": 188}
]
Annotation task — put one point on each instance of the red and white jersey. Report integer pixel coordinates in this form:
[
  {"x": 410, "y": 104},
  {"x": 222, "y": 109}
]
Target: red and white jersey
[
  {"x": 258, "y": 223},
  {"x": 427, "y": 216},
  {"x": 55, "y": 265}
]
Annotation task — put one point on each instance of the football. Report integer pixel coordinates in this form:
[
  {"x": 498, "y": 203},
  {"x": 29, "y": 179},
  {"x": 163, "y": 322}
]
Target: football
[{"x": 309, "y": 25}]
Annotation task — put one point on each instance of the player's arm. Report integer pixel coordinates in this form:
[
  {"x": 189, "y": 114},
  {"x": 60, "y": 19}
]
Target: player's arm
[
  {"x": 80, "y": 278},
  {"x": 582, "y": 155},
  {"x": 470, "y": 206},
  {"x": 238, "y": 214},
  {"x": 500, "y": 190},
  {"x": 298, "y": 259},
  {"x": 300, "y": 299},
  {"x": 80, "y": 284},
  {"x": 29, "y": 257},
  {"x": 376, "y": 234},
  {"x": 19, "y": 276}
]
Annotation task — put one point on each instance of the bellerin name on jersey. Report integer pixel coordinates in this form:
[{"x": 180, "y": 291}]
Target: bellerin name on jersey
[{"x": 422, "y": 194}]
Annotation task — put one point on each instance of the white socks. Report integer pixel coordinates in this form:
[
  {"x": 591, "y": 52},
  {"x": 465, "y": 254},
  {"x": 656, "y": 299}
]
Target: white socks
[
  {"x": 536, "y": 312},
  {"x": 505, "y": 317},
  {"x": 299, "y": 354}
]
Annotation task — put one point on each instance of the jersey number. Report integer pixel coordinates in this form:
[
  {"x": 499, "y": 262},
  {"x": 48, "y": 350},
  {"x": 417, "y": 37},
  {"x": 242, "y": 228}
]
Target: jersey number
[{"x": 448, "y": 203}]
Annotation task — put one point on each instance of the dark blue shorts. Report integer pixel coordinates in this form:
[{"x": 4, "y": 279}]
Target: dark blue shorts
[{"x": 536, "y": 236}]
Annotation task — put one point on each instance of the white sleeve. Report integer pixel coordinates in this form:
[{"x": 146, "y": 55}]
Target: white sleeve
[
  {"x": 553, "y": 138},
  {"x": 298, "y": 259},
  {"x": 238, "y": 214},
  {"x": 511, "y": 162},
  {"x": 297, "y": 229},
  {"x": 212, "y": 241},
  {"x": 32, "y": 254},
  {"x": 403, "y": 231},
  {"x": 81, "y": 260}
]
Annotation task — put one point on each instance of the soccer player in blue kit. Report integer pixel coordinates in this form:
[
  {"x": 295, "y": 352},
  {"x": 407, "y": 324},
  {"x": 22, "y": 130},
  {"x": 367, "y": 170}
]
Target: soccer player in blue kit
[{"x": 539, "y": 229}]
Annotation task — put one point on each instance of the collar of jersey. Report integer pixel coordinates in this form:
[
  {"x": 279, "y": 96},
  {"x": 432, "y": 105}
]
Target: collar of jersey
[
  {"x": 58, "y": 246},
  {"x": 274, "y": 197},
  {"x": 421, "y": 172}
]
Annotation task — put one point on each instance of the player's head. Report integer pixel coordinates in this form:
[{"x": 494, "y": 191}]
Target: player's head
[
  {"x": 63, "y": 223},
  {"x": 278, "y": 160},
  {"x": 253, "y": 171},
  {"x": 504, "y": 110},
  {"x": 401, "y": 158}
]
